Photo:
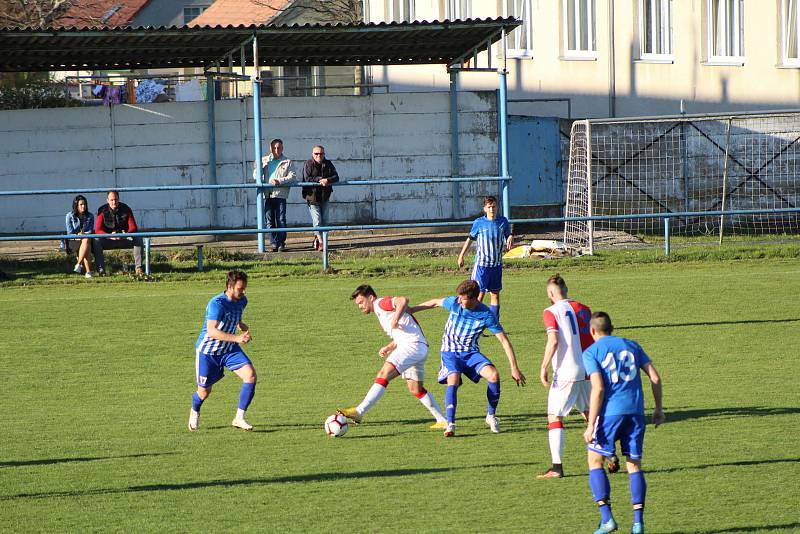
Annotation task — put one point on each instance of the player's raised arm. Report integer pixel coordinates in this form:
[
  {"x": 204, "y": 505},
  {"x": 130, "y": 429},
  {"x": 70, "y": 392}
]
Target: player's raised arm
[
  {"x": 516, "y": 374},
  {"x": 464, "y": 250},
  {"x": 427, "y": 305},
  {"x": 655, "y": 383},
  {"x": 550, "y": 349},
  {"x": 595, "y": 400}
]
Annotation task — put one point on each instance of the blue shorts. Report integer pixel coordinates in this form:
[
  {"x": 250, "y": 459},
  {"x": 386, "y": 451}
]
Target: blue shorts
[
  {"x": 210, "y": 367},
  {"x": 469, "y": 363},
  {"x": 490, "y": 279},
  {"x": 628, "y": 429}
]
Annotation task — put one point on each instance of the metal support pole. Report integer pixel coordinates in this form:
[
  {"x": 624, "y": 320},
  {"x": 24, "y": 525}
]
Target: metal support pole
[
  {"x": 212, "y": 149},
  {"x": 455, "y": 190},
  {"x": 257, "y": 141},
  {"x": 725, "y": 178},
  {"x": 324, "y": 251},
  {"x": 666, "y": 236},
  {"x": 200, "y": 258},
  {"x": 503, "y": 112},
  {"x": 146, "y": 256}
]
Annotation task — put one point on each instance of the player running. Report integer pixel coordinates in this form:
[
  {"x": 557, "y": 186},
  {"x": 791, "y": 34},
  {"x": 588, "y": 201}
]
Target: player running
[
  {"x": 460, "y": 352},
  {"x": 218, "y": 347},
  {"x": 405, "y": 354},
  {"x": 616, "y": 411},
  {"x": 490, "y": 233}
]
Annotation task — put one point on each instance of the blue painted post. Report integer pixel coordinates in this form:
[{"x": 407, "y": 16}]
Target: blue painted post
[
  {"x": 212, "y": 147},
  {"x": 257, "y": 141},
  {"x": 502, "y": 111},
  {"x": 666, "y": 236}
]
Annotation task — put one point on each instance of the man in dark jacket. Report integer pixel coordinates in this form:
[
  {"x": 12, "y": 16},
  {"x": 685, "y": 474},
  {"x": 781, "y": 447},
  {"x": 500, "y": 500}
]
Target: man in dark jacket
[
  {"x": 116, "y": 217},
  {"x": 320, "y": 170}
]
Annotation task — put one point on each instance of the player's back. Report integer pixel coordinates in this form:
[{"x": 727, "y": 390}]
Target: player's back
[
  {"x": 619, "y": 361},
  {"x": 569, "y": 319},
  {"x": 408, "y": 329}
]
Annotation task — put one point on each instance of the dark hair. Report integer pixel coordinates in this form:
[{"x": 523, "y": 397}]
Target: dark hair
[
  {"x": 113, "y": 191},
  {"x": 275, "y": 142},
  {"x": 558, "y": 281},
  {"x": 602, "y": 322},
  {"x": 469, "y": 288},
  {"x": 364, "y": 290},
  {"x": 491, "y": 199},
  {"x": 75, "y": 205},
  {"x": 235, "y": 276}
]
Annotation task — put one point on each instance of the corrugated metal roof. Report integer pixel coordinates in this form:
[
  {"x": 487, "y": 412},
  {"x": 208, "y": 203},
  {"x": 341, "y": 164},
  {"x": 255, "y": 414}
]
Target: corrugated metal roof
[{"x": 50, "y": 49}]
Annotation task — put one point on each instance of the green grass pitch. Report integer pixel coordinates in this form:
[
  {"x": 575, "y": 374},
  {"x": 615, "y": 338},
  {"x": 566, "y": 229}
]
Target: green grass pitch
[{"x": 93, "y": 419}]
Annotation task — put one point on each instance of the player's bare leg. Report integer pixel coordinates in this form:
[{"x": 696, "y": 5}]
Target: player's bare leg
[
  {"x": 386, "y": 374},
  {"x": 197, "y": 400},
  {"x": 494, "y": 303},
  {"x": 248, "y": 375},
  {"x": 418, "y": 390},
  {"x": 489, "y": 372}
]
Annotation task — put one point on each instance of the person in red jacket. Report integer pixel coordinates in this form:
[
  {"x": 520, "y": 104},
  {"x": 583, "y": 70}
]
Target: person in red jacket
[{"x": 116, "y": 217}]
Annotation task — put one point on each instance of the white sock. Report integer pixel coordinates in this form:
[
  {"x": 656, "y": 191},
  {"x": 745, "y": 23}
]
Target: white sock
[
  {"x": 373, "y": 395},
  {"x": 239, "y": 413},
  {"x": 556, "y": 438},
  {"x": 430, "y": 403}
]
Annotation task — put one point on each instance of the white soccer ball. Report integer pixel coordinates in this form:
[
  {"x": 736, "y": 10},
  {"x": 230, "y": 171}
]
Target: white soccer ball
[{"x": 336, "y": 425}]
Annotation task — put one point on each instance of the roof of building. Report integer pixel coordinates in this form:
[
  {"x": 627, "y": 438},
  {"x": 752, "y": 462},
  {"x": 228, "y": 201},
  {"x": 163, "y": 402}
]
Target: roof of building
[
  {"x": 54, "y": 49},
  {"x": 101, "y": 13},
  {"x": 231, "y": 12}
]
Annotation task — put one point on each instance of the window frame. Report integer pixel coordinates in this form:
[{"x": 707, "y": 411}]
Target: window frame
[
  {"x": 200, "y": 8},
  {"x": 737, "y": 55},
  {"x": 526, "y": 29},
  {"x": 664, "y": 33},
  {"x": 566, "y": 52},
  {"x": 787, "y": 61}
]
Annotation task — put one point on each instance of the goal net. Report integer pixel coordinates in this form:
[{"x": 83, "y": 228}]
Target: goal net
[{"x": 683, "y": 164}]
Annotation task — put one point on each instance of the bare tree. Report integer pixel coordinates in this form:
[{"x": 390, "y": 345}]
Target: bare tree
[
  {"x": 48, "y": 13},
  {"x": 313, "y": 11}
]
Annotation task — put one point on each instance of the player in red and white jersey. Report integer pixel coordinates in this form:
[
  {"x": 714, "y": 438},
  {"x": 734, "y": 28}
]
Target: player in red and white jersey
[
  {"x": 405, "y": 354},
  {"x": 567, "y": 324}
]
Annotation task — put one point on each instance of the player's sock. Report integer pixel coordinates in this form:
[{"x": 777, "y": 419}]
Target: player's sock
[
  {"x": 495, "y": 309},
  {"x": 246, "y": 395},
  {"x": 493, "y": 396},
  {"x": 555, "y": 435},
  {"x": 197, "y": 402},
  {"x": 373, "y": 395},
  {"x": 450, "y": 401},
  {"x": 430, "y": 403},
  {"x": 601, "y": 490},
  {"x": 638, "y": 494}
]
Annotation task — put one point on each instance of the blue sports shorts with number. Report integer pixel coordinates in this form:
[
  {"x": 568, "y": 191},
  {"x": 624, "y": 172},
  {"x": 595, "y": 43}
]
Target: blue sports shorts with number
[
  {"x": 488, "y": 278},
  {"x": 468, "y": 363},
  {"x": 210, "y": 368},
  {"x": 628, "y": 429}
]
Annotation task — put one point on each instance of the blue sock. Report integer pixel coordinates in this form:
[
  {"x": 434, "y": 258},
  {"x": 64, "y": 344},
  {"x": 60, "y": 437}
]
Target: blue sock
[
  {"x": 493, "y": 395},
  {"x": 495, "y": 310},
  {"x": 246, "y": 394},
  {"x": 638, "y": 494},
  {"x": 450, "y": 401},
  {"x": 601, "y": 491},
  {"x": 196, "y": 402}
]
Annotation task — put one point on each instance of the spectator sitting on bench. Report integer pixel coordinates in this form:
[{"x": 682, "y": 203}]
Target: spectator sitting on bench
[
  {"x": 81, "y": 221},
  {"x": 113, "y": 218}
]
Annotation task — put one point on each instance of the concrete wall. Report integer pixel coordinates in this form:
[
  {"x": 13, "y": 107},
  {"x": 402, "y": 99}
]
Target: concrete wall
[{"x": 368, "y": 138}]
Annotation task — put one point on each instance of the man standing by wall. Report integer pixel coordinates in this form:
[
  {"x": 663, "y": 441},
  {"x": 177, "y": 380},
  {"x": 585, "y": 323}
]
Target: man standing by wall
[
  {"x": 277, "y": 170},
  {"x": 320, "y": 170}
]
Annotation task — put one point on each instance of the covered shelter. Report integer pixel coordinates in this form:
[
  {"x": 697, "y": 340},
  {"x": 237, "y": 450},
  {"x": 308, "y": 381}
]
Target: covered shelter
[{"x": 450, "y": 43}]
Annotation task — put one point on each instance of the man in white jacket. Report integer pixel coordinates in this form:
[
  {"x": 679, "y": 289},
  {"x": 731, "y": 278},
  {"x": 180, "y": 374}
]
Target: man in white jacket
[{"x": 276, "y": 170}]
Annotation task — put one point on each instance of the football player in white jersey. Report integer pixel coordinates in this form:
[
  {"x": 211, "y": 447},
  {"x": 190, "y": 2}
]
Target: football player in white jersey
[{"x": 405, "y": 354}]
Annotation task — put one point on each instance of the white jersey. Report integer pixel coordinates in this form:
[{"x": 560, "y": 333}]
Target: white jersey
[
  {"x": 408, "y": 330},
  {"x": 562, "y": 319}
]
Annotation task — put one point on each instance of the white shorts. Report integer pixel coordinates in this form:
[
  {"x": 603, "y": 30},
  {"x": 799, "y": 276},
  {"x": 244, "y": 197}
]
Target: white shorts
[
  {"x": 563, "y": 397},
  {"x": 409, "y": 360}
]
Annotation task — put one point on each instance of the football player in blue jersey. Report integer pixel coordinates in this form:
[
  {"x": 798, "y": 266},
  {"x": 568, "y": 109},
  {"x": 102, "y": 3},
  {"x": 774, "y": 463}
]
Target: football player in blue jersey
[
  {"x": 460, "y": 352},
  {"x": 218, "y": 346},
  {"x": 491, "y": 233},
  {"x": 616, "y": 412}
]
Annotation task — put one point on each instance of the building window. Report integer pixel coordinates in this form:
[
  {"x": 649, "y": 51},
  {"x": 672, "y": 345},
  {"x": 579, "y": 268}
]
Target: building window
[
  {"x": 520, "y": 40},
  {"x": 191, "y": 13},
  {"x": 458, "y": 9},
  {"x": 578, "y": 18},
  {"x": 791, "y": 33},
  {"x": 655, "y": 29},
  {"x": 401, "y": 11},
  {"x": 725, "y": 30}
]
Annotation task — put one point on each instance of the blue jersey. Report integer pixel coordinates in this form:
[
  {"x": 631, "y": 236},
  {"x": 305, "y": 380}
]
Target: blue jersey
[
  {"x": 490, "y": 237},
  {"x": 618, "y": 360},
  {"x": 464, "y": 327},
  {"x": 228, "y": 313}
]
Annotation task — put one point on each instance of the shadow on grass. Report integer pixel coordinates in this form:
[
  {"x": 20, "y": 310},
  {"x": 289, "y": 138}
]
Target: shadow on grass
[
  {"x": 730, "y": 413},
  {"x": 310, "y": 477},
  {"x": 741, "y": 463},
  {"x": 51, "y": 461},
  {"x": 708, "y": 323},
  {"x": 753, "y": 528}
]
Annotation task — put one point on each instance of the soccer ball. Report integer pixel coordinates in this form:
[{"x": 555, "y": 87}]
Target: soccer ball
[{"x": 336, "y": 425}]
